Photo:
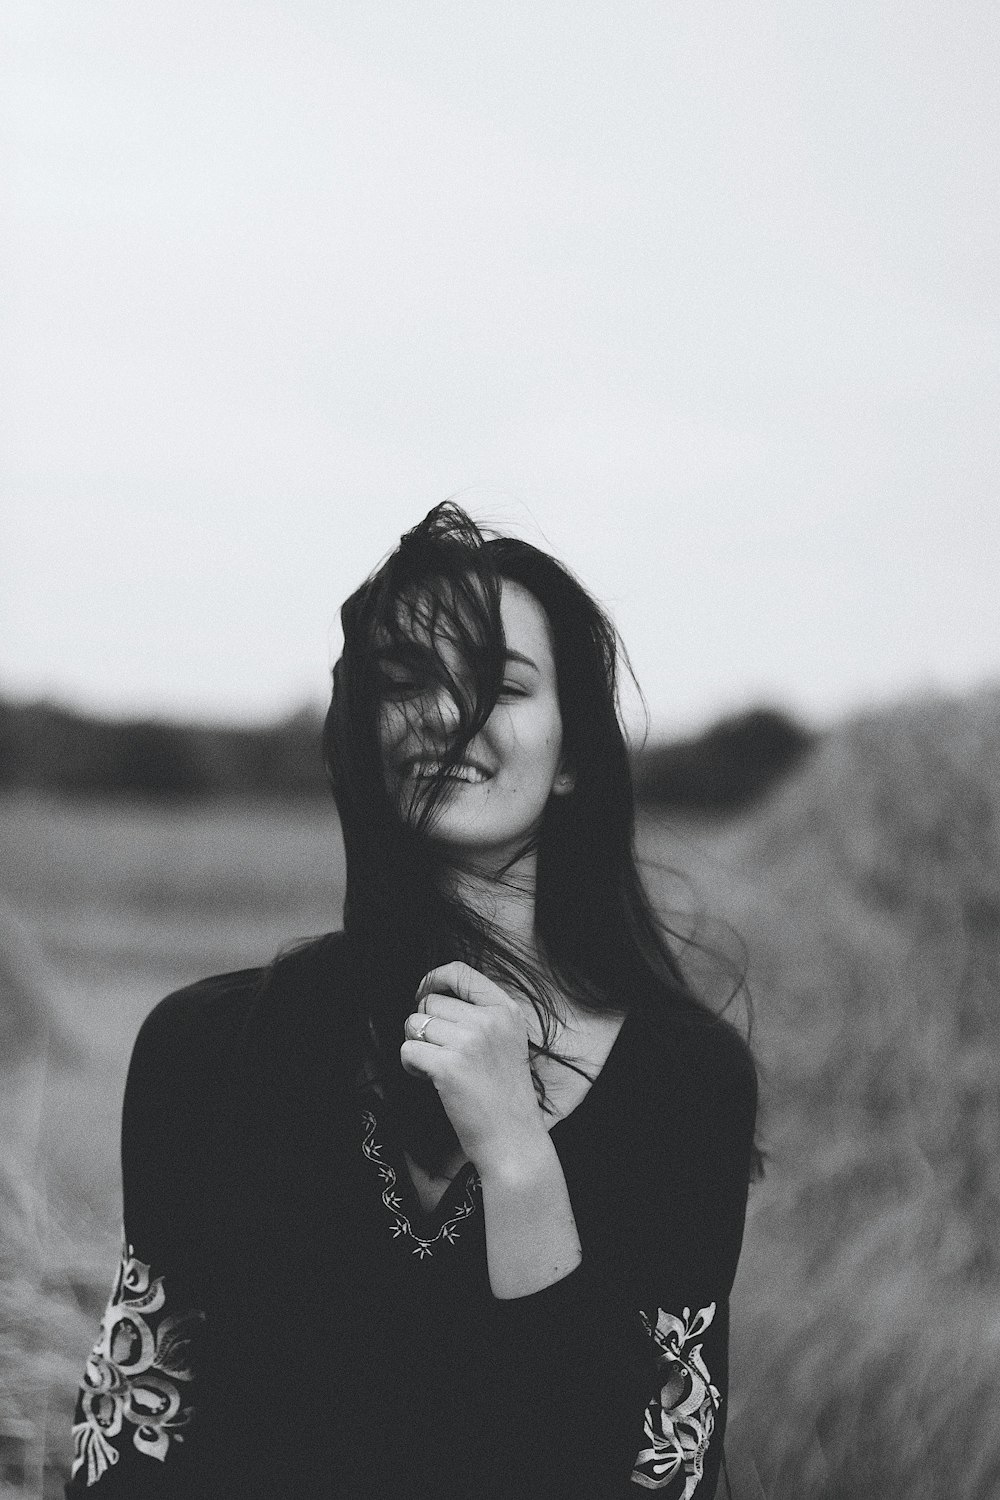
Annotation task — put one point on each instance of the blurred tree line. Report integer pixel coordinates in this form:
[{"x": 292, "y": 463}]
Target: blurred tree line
[
  {"x": 44, "y": 747},
  {"x": 729, "y": 765},
  {"x": 50, "y": 749}
]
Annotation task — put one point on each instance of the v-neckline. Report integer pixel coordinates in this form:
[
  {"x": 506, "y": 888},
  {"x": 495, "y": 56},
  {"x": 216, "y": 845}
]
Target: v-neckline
[
  {"x": 611, "y": 1060},
  {"x": 409, "y": 1221},
  {"x": 457, "y": 1202},
  {"x": 429, "y": 1221}
]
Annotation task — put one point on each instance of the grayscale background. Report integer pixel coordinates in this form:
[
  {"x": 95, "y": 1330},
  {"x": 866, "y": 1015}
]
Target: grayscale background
[{"x": 701, "y": 297}]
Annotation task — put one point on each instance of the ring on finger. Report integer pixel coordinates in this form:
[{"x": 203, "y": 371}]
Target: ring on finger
[{"x": 421, "y": 1027}]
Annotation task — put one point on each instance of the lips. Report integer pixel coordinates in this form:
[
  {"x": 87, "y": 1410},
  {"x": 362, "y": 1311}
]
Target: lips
[{"x": 424, "y": 766}]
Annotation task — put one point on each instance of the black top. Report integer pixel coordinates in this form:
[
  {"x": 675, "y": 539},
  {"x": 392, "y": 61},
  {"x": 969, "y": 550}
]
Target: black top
[{"x": 287, "y": 1322}]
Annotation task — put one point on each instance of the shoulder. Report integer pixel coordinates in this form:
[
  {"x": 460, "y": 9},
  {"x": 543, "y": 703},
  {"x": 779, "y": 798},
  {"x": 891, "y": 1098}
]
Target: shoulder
[
  {"x": 192, "y": 1031},
  {"x": 716, "y": 1058},
  {"x": 704, "y": 1048},
  {"x": 207, "y": 1005},
  {"x": 193, "y": 1027},
  {"x": 707, "y": 1078}
]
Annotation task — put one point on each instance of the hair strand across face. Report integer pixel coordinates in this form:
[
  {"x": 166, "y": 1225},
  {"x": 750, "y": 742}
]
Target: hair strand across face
[{"x": 428, "y": 621}]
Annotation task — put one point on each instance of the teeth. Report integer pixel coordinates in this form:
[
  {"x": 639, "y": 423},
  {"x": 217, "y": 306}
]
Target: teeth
[{"x": 460, "y": 773}]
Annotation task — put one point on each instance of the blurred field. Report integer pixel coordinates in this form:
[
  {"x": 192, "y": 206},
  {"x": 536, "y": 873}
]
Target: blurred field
[
  {"x": 110, "y": 907},
  {"x": 866, "y": 889}
]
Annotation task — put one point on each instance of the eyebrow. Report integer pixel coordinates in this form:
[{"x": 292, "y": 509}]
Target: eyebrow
[
  {"x": 526, "y": 660},
  {"x": 386, "y": 659}
]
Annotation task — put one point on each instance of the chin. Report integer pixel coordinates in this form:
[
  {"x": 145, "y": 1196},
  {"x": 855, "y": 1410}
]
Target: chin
[{"x": 479, "y": 839}]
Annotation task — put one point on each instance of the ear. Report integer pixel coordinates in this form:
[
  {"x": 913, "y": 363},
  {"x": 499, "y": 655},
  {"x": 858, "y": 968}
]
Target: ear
[{"x": 565, "y": 781}]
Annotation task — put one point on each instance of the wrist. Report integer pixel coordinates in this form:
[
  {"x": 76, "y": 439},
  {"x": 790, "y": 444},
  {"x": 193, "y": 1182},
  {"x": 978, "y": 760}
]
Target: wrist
[{"x": 516, "y": 1162}]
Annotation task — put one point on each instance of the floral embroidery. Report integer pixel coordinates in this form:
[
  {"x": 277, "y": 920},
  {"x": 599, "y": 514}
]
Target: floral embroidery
[
  {"x": 132, "y": 1373},
  {"x": 679, "y": 1420},
  {"x": 390, "y": 1197}
]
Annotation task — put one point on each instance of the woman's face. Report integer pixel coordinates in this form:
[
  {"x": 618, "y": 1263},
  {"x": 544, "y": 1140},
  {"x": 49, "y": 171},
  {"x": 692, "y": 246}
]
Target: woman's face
[{"x": 510, "y": 769}]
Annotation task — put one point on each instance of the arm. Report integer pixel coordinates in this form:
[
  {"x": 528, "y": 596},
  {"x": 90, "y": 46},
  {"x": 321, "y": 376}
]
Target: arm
[
  {"x": 138, "y": 1398},
  {"x": 611, "y": 1266},
  {"x": 616, "y": 1376},
  {"x": 471, "y": 1040},
  {"x": 531, "y": 1234},
  {"x": 137, "y": 1395}
]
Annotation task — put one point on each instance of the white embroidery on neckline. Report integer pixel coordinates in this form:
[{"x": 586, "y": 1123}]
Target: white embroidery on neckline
[{"x": 401, "y": 1226}]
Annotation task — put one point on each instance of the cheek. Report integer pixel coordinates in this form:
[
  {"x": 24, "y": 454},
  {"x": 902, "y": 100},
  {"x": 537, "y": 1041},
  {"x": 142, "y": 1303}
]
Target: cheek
[
  {"x": 539, "y": 746},
  {"x": 550, "y": 731},
  {"x": 390, "y": 726},
  {"x": 390, "y": 729}
]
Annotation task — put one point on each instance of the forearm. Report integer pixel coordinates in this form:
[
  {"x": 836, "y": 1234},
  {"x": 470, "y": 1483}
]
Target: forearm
[{"x": 531, "y": 1234}]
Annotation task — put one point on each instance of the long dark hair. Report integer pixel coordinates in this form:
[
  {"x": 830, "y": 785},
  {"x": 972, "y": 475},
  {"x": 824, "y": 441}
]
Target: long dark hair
[{"x": 599, "y": 940}]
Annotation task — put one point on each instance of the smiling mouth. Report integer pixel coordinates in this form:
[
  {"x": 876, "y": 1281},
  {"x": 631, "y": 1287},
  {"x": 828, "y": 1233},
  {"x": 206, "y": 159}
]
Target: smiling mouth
[{"x": 423, "y": 770}]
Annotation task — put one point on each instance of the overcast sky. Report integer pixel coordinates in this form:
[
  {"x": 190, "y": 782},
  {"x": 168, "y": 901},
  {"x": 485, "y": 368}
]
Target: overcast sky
[{"x": 700, "y": 296}]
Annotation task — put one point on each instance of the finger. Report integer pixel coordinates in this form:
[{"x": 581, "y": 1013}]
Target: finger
[
  {"x": 414, "y": 1058},
  {"x": 422, "y": 1061},
  {"x": 444, "y": 1032},
  {"x": 445, "y": 1008},
  {"x": 465, "y": 982},
  {"x": 416, "y": 1026}
]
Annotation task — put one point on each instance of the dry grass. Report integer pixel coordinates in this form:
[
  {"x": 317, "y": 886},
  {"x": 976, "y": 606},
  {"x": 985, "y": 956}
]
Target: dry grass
[
  {"x": 124, "y": 904},
  {"x": 866, "y": 1344},
  {"x": 866, "y": 1322}
]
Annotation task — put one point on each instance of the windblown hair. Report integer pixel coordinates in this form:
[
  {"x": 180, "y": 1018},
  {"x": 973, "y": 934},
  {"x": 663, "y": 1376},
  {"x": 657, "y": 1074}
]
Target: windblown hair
[{"x": 597, "y": 935}]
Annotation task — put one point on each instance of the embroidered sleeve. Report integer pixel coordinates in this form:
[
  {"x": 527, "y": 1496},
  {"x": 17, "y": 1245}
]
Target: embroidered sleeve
[
  {"x": 135, "y": 1401},
  {"x": 629, "y": 1353},
  {"x": 680, "y": 1417}
]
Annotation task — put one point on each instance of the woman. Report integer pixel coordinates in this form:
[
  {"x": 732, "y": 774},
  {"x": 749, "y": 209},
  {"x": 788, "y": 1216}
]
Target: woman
[{"x": 448, "y": 1203}]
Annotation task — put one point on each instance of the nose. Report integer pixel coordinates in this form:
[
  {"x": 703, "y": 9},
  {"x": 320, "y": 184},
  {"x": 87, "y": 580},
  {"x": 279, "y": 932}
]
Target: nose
[{"x": 439, "y": 710}]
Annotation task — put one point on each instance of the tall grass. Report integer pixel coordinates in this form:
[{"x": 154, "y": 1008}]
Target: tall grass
[
  {"x": 126, "y": 904},
  {"x": 866, "y": 890},
  {"x": 867, "y": 1320},
  {"x": 44, "y": 1329}
]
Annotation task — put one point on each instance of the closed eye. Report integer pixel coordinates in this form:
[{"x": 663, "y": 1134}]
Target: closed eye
[
  {"x": 397, "y": 687},
  {"x": 402, "y": 686}
]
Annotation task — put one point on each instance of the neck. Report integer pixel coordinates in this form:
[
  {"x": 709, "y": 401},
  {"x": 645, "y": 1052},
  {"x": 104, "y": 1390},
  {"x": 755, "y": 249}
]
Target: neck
[{"x": 506, "y": 901}]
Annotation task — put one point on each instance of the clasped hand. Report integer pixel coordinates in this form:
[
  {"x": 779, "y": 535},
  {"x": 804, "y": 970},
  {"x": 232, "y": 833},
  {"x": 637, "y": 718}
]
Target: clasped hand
[{"x": 471, "y": 1040}]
